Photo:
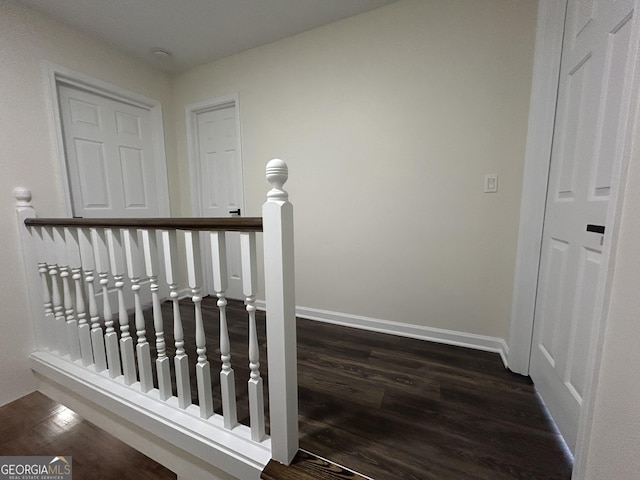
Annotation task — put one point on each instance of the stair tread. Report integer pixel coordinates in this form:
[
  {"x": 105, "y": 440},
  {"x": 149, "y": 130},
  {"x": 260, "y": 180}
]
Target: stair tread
[{"x": 306, "y": 466}]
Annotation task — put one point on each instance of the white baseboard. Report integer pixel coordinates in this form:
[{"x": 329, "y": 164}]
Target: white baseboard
[{"x": 420, "y": 332}]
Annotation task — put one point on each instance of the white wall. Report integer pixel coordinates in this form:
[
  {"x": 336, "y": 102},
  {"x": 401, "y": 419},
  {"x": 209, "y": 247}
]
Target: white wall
[
  {"x": 27, "y": 152},
  {"x": 389, "y": 121}
]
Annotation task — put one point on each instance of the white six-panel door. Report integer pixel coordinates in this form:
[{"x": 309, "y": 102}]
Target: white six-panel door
[
  {"x": 110, "y": 157},
  {"x": 110, "y": 163},
  {"x": 593, "y": 101},
  {"x": 220, "y": 178}
]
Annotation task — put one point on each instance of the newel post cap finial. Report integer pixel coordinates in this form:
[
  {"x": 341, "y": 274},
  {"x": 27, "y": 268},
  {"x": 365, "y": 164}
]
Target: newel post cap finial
[
  {"x": 22, "y": 196},
  {"x": 277, "y": 174}
]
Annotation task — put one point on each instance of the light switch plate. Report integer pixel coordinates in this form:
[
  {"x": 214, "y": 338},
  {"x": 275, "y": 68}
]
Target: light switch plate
[{"x": 491, "y": 183}]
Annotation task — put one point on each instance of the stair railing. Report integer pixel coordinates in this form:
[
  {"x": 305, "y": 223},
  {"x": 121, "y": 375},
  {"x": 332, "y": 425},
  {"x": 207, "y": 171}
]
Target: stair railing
[{"x": 71, "y": 263}]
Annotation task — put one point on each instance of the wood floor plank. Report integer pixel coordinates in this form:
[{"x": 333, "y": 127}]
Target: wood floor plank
[
  {"x": 36, "y": 425},
  {"x": 392, "y": 407},
  {"x": 306, "y": 466}
]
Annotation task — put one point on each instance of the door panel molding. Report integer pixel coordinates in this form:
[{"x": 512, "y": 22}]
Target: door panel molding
[{"x": 57, "y": 75}]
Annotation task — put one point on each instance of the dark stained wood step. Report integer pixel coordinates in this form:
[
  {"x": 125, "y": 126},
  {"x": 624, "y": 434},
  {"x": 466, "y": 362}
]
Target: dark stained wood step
[{"x": 306, "y": 466}]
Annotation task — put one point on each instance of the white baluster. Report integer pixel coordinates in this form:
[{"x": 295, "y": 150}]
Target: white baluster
[
  {"x": 249, "y": 287},
  {"x": 73, "y": 347},
  {"x": 227, "y": 377},
  {"x": 134, "y": 269},
  {"x": 71, "y": 272},
  {"x": 181, "y": 361},
  {"x": 43, "y": 270},
  {"x": 101, "y": 259},
  {"x": 110, "y": 335},
  {"x": 277, "y": 218},
  {"x": 150, "y": 249},
  {"x": 75, "y": 259},
  {"x": 53, "y": 245},
  {"x": 116, "y": 260},
  {"x": 88, "y": 263},
  {"x": 38, "y": 235},
  {"x": 194, "y": 274}
]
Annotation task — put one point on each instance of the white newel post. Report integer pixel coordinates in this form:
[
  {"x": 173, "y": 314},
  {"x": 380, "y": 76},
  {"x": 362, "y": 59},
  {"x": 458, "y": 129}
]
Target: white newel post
[
  {"x": 277, "y": 217},
  {"x": 35, "y": 264}
]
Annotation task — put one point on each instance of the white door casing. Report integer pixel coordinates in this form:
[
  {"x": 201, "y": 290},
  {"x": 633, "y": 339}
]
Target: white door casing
[
  {"x": 542, "y": 110},
  {"x": 216, "y": 177},
  {"x": 591, "y": 121}
]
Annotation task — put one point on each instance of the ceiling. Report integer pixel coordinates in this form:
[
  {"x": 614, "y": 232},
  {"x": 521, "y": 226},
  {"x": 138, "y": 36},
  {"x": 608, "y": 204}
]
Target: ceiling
[{"x": 195, "y": 31}]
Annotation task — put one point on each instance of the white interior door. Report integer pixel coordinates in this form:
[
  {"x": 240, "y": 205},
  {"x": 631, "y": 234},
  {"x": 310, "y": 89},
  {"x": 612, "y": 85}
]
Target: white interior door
[
  {"x": 110, "y": 162},
  {"x": 220, "y": 182},
  {"x": 592, "y": 109},
  {"x": 110, "y": 156}
]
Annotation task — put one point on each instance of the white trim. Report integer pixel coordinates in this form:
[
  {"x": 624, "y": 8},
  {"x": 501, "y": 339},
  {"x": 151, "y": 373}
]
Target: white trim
[
  {"x": 419, "y": 332},
  {"x": 55, "y": 75},
  {"x": 544, "y": 92},
  {"x": 208, "y": 440}
]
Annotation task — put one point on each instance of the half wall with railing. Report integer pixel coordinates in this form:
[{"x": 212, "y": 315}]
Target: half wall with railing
[{"x": 91, "y": 341}]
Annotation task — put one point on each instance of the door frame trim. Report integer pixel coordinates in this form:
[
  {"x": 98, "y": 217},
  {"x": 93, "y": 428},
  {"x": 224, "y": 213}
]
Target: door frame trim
[
  {"x": 58, "y": 75},
  {"x": 191, "y": 112},
  {"x": 544, "y": 94}
]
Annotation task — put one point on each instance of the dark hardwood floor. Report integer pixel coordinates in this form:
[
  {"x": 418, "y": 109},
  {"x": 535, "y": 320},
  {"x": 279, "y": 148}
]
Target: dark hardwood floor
[
  {"x": 387, "y": 407},
  {"x": 36, "y": 425},
  {"x": 308, "y": 467},
  {"x": 396, "y": 408}
]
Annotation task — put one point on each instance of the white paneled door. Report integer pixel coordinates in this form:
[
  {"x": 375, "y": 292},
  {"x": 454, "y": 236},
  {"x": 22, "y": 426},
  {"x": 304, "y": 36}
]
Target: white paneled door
[
  {"x": 220, "y": 181},
  {"x": 110, "y": 156},
  {"x": 111, "y": 164},
  {"x": 592, "y": 110}
]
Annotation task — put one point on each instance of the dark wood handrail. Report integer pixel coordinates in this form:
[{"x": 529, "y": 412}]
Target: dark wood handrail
[{"x": 231, "y": 224}]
